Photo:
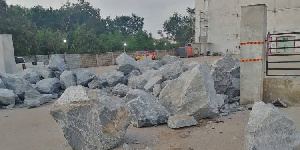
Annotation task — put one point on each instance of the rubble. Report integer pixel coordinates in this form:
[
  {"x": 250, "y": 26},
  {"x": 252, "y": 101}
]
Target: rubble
[
  {"x": 91, "y": 120},
  {"x": 126, "y": 63},
  {"x": 83, "y": 77},
  {"x": 31, "y": 76},
  {"x": 67, "y": 79},
  {"x": 120, "y": 90},
  {"x": 148, "y": 64},
  {"x": 112, "y": 78},
  {"x": 139, "y": 82},
  {"x": 269, "y": 129},
  {"x": 44, "y": 72},
  {"x": 153, "y": 81},
  {"x": 56, "y": 63},
  {"x": 167, "y": 59},
  {"x": 7, "y": 98},
  {"x": 171, "y": 71},
  {"x": 146, "y": 111},
  {"x": 48, "y": 86},
  {"x": 176, "y": 122},
  {"x": 97, "y": 83},
  {"x": 134, "y": 93}
]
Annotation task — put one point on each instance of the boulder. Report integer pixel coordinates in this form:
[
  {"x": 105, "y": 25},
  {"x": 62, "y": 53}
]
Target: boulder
[
  {"x": 153, "y": 81},
  {"x": 84, "y": 77},
  {"x": 97, "y": 83},
  {"x": 171, "y": 71},
  {"x": 48, "y": 86},
  {"x": 2, "y": 86},
  {"x": 126, "y": 63},
  {"x": 163, "y": 85},
  {"x": 148, "y": 64},
  {"x": 7, "y": 98},
  {"x": 192, "y": 65},
  {"x": 34, "y": 99},
  {"x": 112, "y": 78},
  {"x": 156, "y": 90},
  {"x": 67, "y": 79},
  {"x": 139, "y": 82},
  {"x": 91, "y": 119},
  {"x": 56, "y": 63},
  {"x": 176, "y": 122},
  {"x": 146, "y": 111},
  {"x": 132, "y": 94},
  {"x": 167, "y": 59},
  {"x": 191, "y": 94},
  {"x": 121, "y": 90},
  {"x": 45, "y": 72},
  {"x": 57, "y": 74},
  {"x": 269, "y": 129},
  {"x": 31, "y": 76}
]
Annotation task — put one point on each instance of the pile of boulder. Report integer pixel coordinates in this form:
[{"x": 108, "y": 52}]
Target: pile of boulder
[{"x": 98, "y": 109}]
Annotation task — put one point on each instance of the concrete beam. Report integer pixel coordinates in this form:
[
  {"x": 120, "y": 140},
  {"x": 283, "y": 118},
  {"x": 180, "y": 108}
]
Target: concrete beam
[{"x": 7, "y": 59}]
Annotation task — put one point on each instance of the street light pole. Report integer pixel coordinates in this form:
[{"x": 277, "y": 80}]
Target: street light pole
[{"x": 125, "y": 47}]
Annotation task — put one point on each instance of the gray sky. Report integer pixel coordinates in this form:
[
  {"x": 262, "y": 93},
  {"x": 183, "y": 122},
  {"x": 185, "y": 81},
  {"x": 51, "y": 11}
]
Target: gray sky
[{"x": 155, "y": 12}]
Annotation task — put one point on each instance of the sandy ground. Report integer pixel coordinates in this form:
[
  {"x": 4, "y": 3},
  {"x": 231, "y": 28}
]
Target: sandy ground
[{"x": 35, "y": 129}]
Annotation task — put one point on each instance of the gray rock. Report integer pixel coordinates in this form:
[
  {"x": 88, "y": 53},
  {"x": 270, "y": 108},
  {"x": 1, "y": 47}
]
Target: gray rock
[
  {"x": 139, "y": 82},
  {"x": 269, "y": 129},
  {"x": 148, "y": 64},
  {"x": 90, "y": 119},
  {"x": 156, "y": 90},
  {"x": 192, "y": 65},
  {"x": 146, "y": 111},
  {"x": 31, "y": 76},
  {"x": 192, "y": 94},
  {"x": 83, "y": 77},
  {"x": 67, "y": 79},
  {"x": 97, "y": 83},
  {"x": 163, "y": 85},
  {"x": 126, "y": 63},
  {"x": 34, "y": 99},
  {"x": 171, "y": 71},
  {"x": 44, "y": 72},
  {"x": 127, "y": 147},
  {"x": 2, "y": 86},
  {"x": 57, "y": 74},
  {"x": 221, "y": 99},
  {"x": 48, "y": 86},
  {"x": 150, "y": 84},
  {"x": 112, "y": 78},
  {"x": 121, "y": 90},
  {"x": 176, "y": 122},
  {"x": 7, "y": 98},
  {"x": 132, "y": 94},
  {"x": 167, "y": 59},
  {"x": 56, "y": 63}
]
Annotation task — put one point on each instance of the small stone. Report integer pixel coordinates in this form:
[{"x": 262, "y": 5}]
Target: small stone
[{"x": 176, "y": 122}]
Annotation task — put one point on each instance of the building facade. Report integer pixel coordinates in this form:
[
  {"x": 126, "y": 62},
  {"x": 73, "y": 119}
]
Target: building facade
[{"x": 218, "y": 23}]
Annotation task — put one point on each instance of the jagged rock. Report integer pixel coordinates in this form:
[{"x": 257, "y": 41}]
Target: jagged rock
[
  {"x": 146, "y": 111},
  {"x": 44, "y": 72},
  {"x": 97, "y": 83},
  {"x": 163, "y": 85},
  {"x": 150, "y": 84},
  {"x": 2, "y": 86},
  {"x": 127, "y": 147},
  {"x": 192, "y": 65},
  {"x": 167, "y": 59},
  {"x": 269, "y": 129},
  {"x": 57, "y": 74},
  {"x": 34, "y": 99},
  {"x": 148, "y": 64},
  {"x": 126, "y": 63},
  {"x": 121, "y": 90},
  {"x": 132, "y": 94},
  {"x": 31, "y": 76},
  {"x": 7, "y": 98},
  {"x": 56, "y": 63},
  {"x": 176, "y": 122},
  {"x": 67, "y": 79},
  {"x": 91, "y": 119},
  {"x": 221, "y": 99},
  {"x": 139, "y": 82},
  {"x": 112, "y": 78},
  {"x": 171, "y": 71},
  {"x": 84, "y": 77},
  {"x": 48, "y": 86},
  {"x": 156, "y": 90},
  {"x": 191, "y": 94}
]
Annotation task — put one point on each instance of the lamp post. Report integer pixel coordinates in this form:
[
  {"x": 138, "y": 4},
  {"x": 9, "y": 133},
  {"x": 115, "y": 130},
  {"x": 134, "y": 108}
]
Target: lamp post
[{"x": 125, "y": 47}]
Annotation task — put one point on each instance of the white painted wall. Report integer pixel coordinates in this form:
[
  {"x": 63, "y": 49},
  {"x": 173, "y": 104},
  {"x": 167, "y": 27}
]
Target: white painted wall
[{"x": 225, "y": 20}]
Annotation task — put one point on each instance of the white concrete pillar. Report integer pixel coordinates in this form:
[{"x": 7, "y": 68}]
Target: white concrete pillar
[
  {"x": 253, "y": 35},
  {"x": 7, "y": 59}
]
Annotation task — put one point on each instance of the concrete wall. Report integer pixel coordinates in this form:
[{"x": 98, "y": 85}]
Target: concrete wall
[
  {"x": 7, "y": 59},
  {"x": 286, "y": 88},
  {"x": 224, "y": 19}
]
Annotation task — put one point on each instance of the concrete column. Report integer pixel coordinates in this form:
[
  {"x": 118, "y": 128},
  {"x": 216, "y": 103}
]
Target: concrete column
[
  {"x": 253, "y": 35},
  {"x": 7, "y": 59}
]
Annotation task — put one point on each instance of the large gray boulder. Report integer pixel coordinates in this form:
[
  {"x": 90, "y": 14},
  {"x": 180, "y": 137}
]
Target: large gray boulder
[
  {"x": 34, "y": 99},
  {"x": 146, "y": 111},
  {"x": 139, "y": 82},
  {"x": 126, "y": 63},
  {"x": 121, "y": 90},
  {"x": 150, "y": 84},
  {"x": 171, "y": 71},
  {"x": 7, "y": 98},
  {"x": 167, "y": 59},
  {"x": 84, "y": 77},
  {"x": 269, "y": 129},
  {"x": 97, "y": 83},
  {"x": 148, "y": 64},
  {"x": 112, "y": 78},
  {"x": 91, "y": 119},
  {"x": 176, "y": 122},
  {"x": 56, "y": 63},
  {"x": 134, "y": 93},
  {"x": 48, "y": 86},
  {"x": 192, "y": 94},
  {"x": 31, "y": 76},
  {"x": 192, "y": 65},
  {"x": 45, "y": 72},
  {"x": 67, "y": 79},
  {"x": 2, "y": 86}
]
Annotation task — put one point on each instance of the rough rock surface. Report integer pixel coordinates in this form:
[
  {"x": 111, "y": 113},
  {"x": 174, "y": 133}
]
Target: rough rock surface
[
  {"x": 150, "y": 84},
  {"x": 156, "y": 90},
  {"x": 91, "y": 119},
  {"x": 7, "y": 98},
  {"x": 34, "y": 99},
  {"x": 126, "y": 63},
  {"x": 83, "y": 77},
  {"x": 146, "y": 111},
  {"x": 148, "y": 64},
  {"x": 139, "y": 82},
  {"x": 67, "y": 79},
  {"x": 56, "y": 63},
  {"x": 269, "y": 129},
  {"x": 192, "y": 65},
  {"x": 2, "y": 86},
  {"x": 48, "y": 86},
  {"x": 44, "y": 72},
  {"x": 192, "y": 94},
  {"x": 120, "y": 90},
  {"x": 176, "y": 122},
  {"x": 31, "y": 76},
  {"x": 171, "y": 71},
  {"x": 167, "y": 59},
  {"x": 132, "y": 94},
  {"x": 97, "y": 83},
  {"x": 112, "y": 78}
]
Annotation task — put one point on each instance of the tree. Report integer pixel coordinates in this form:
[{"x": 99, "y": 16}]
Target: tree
[{"x": 126, "y": 24}]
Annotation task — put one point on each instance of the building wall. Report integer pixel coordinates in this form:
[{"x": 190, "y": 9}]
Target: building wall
[{"x": 224, "y": 20}]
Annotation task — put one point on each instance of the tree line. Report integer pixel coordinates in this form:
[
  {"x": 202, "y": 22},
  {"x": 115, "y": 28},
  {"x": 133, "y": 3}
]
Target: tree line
[{"x": 79, "y": 28}]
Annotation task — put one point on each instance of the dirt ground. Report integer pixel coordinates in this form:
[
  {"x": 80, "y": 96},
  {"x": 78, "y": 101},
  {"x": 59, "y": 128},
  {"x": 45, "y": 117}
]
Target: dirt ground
[{"x": 35, "y": 129}]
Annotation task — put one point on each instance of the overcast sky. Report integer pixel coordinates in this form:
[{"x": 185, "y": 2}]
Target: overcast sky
[{"x": 155, "y": 12}]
